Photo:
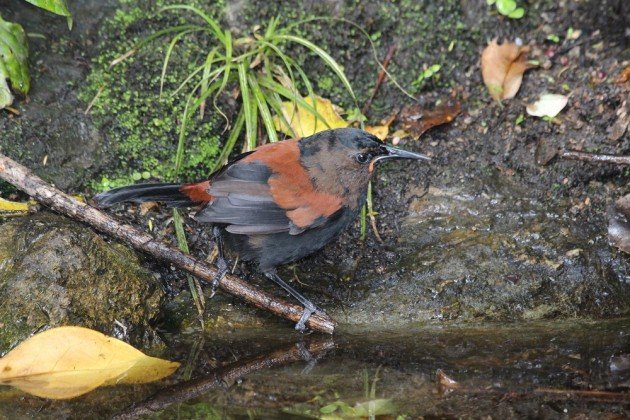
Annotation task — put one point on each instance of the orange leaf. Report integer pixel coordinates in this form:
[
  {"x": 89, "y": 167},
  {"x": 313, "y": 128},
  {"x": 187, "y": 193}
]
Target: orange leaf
[
  {"x": 502, "y": 68},
  {"x": 417, "y": 120},
  {"x": 624, "y": 76}
]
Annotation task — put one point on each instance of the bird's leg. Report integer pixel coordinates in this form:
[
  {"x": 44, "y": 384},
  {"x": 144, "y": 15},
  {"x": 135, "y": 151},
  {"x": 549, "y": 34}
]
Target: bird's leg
[
  {"x": 221, "y": 263},
  {"x": 307, "y": 357},
  {"x": 309, "y": 307}
]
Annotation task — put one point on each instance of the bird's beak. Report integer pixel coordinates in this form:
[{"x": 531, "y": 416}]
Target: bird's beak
[{"x": 395, "y": 153}]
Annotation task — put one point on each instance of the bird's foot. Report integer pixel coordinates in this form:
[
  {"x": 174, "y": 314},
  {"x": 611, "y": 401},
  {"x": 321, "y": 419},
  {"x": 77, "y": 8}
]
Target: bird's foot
[
  {"x": 307, "y": 357},
  {"x": 222, "y": 271},
  {"x": 309, "y": 309}
]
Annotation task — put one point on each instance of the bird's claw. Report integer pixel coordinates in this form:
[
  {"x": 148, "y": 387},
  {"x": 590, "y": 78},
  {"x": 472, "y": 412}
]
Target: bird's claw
[{"x": 308, "y": 311}]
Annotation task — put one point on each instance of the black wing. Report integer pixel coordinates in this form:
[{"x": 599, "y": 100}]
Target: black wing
[{"x": 243, "y": 202}]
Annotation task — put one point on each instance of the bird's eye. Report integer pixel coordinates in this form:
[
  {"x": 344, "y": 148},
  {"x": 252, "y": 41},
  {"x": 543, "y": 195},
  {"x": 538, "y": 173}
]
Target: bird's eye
[{"x": 363, "y": 157}]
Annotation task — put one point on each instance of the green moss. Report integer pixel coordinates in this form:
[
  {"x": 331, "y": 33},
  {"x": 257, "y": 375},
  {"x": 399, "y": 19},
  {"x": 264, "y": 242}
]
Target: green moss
[{"x": 140, "y": 125}]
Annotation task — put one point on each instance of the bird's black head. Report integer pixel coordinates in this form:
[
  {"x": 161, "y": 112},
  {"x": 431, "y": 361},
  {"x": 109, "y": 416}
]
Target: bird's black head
[{"x": 343, "y": 159}]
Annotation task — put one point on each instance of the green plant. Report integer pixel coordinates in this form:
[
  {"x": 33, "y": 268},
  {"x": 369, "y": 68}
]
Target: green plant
[
  {"x": 255, "y": 64},
  {"x": 508, "y": 8},
  {"x": 428, "y": 73},
  {"x": 14, "y": 52}
]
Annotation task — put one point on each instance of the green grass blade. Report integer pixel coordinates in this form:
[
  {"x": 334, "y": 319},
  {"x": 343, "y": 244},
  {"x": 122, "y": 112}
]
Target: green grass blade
[
  {"x": 167, "y": 31},
  {"x": 309, "y": 88},
  {"x": 274, "y": 101},
  {"x": 207, "y": 66},
  {"x": 231, "y": 141},
  {"x": 205, "y": 77},
  {"x": 261, "y": 102},
  {"x": 288, "y": 94},
  {"x": 182, "y": 243},
  {"x": 167, "y": 56},
  {"x": 189, "y": 110},
  {"x": 289, "y": 63},
  {"x": 194, "y": 73},
  {"x": 178, "y": 224},
  {"x": 227, "y": 70},
  {"x": 213, "y": 24},
  {"x": 249, "y": 107},
  {"x": 367, "y": 37},
  {"x": 327, "y": 58}
]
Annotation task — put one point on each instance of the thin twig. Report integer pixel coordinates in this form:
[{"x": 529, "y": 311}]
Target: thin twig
[
  {"x": 182, "y": 392},
  {"x": 591, "y": 394},
  {"x": 23, "y": 179},
  {"x": 381, "y": 78},
  {"x": 595, "y": 158}
]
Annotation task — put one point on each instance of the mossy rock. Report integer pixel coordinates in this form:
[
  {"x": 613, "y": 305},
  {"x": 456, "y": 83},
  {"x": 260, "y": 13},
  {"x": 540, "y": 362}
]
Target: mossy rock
[{"x": 56, "y": 272}]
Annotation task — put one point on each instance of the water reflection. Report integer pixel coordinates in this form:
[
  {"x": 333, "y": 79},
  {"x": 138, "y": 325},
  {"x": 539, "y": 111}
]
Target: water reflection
[{"x": 544, "y": 369}]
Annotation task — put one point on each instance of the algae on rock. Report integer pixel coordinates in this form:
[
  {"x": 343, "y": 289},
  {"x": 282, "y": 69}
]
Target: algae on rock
[{"x": 56, "y": 272}]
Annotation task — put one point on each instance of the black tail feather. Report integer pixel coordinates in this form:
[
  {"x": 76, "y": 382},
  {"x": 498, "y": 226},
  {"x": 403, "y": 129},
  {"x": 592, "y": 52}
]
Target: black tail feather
[{"x": 165, "y": 193}]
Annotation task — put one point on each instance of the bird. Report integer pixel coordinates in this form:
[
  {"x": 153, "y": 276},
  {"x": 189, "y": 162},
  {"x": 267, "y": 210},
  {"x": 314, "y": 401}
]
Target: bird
[{"x": 279, "y": 202}]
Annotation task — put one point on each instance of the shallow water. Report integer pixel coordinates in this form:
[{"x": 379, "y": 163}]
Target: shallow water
[{"x": 554, "y": 369}]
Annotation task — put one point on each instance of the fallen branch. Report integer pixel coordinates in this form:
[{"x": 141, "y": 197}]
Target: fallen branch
[
  {"x": 381, "y": 77},
  {"x": 590, "y": 394},
  {"x": 23, "y": 179},
  {"x": 185, "y": 391},
  {"x": 595, "y": 158}
]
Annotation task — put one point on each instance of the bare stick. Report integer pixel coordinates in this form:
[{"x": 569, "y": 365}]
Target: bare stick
[
  {"x": 48, "y": 195},
  {"x": 594, "y": 158},
  {"x": 381, "y": 77},
  {"x": 185, "y": 391}
]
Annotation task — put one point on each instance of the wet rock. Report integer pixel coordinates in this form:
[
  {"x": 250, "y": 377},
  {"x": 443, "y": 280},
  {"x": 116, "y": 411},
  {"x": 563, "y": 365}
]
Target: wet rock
[
  {"x": 52, "y": 135},
  {"x": 56, "y": 272},
  {"x": 501, "y": 254},
  {"x": 221, "y": 313}
]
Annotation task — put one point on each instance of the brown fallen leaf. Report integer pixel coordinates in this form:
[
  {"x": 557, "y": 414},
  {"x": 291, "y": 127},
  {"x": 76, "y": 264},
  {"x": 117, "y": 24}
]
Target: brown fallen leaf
[
  {"x": 619, "y": 224},
  {"x": 445, "y": 383},
  {"x": 502, "y": 68},
  {"x": 618, "y": 129},
  {"x": 66, "y": 362},
  {"x": 624, "y": 76},
  {"x": 416, "y": 121}
]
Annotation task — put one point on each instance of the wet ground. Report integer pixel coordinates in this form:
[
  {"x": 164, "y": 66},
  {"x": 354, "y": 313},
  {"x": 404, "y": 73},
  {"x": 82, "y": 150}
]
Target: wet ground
[
  {"x": 574, "y": 370},
  {"x": 497, "y": 229}
]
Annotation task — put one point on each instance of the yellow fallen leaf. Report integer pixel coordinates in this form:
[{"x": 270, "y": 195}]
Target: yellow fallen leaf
[
  {"x": 66, "y": 362},
  {"x": 12, "y": 206},
  {"x": 304, "y": 123},
  {"x": 502, "y": 68},
  {"x": 380, "y": 131}
]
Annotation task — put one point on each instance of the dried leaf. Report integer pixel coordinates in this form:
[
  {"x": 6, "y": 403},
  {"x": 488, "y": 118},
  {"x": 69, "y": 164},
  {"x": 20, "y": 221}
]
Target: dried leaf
[
  {"x": 66, "y": 362},
  {"x": 304, "y": 123},
  {"x": 624, "y": 76},
  {"x": 502, "y": 68},
  {"x": 619, "y": 224},
  {"x": 380, "y": 131},
  {"x": 416, "y": 121},
  {"x": 444, "y": 382},
  {"x": 7, "y": 206},
  {"x": 618, "y": 129},
  {"x": 549, "y": 105}
]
